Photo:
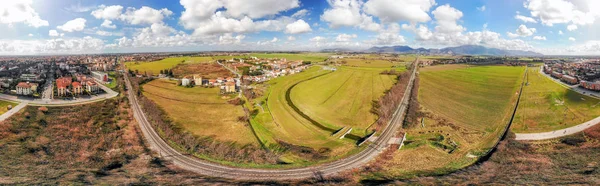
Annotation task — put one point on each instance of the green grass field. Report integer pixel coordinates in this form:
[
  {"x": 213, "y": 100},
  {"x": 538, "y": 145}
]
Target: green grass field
[
  {"x": 201, "y": 111},
  {"x": 156, "y": 66},
  {"x": 280, "y": 122},
  {"x": 467, "y": 108},
  {"x": 343, "y": 98},
  {"x": 113, "y": 82},
  {"x": 4, "y": 106},
  {"x": 547, "y": 106}
]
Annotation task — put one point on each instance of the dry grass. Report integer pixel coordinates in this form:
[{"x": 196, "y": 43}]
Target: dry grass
[
  {"x": 201, "y": 111},
  {"x": 206, "y": 70}
]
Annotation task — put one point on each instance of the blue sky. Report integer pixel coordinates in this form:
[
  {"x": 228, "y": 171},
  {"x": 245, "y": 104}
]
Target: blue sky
[{"x": 94, "y": 26}]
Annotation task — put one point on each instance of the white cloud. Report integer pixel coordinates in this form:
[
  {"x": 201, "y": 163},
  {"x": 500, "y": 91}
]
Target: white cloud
[
  {"x": 197, "y": 11},
  {"x": 291, "y": 38},
  {"x": 525, "y": 19},
  {"x": 108, "y": 24},
  {"x": 258, "y": 8},
  {"x": 145, "y": 15},
  {"x": 539, "y": 38},
  {"x": 482, "y": 8},
  {"x": 348, "y": 13},
  {"x": 108, "y": 12},
  {"x": 552, "y": 12},
  {"x": 20, "y": 12},
  {"x": 387, "y": 38},
  {"x": 318, "y": 39},
  {"x": 345, "y": 37},
  {"x": 300, "y": 13},
  {"x": 53, "y": 33},
  {"x": 446, "y": 17},
  {"x": 30, "y": 35},
  {"x": 560, "y": 32},
  {"x": 77, "y": 24},
  {"x": 229, "y": 39},
  {"x": 103, "y": 33},
  {"x": 51, "y": 46},
  {"x": 271, "y": 42},
  {"x": 571, "y": 39},
  {"x": 572, "y": 27},
  {"x": 297, "y": 27},
  {"x": 396, "y": 11},
  {"x": 522, "y": 31}
]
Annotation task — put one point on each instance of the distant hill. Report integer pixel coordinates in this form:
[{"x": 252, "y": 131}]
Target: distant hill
[{"x": 459, "y": 50}]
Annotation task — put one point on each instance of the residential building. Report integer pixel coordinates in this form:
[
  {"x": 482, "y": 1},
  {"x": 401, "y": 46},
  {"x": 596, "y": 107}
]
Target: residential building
[
  {"x": 197, "y": 80},
  {"x": 185, "y": 81},
  {"x": 62, "y": 84},
  {"x": 77, "y": 88},
  {"x": 24, "y": 88},
  {"x": 100, "y": 76}
]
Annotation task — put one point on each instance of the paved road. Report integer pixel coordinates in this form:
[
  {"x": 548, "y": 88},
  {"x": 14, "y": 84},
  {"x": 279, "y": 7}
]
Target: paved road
[
  {"x": 59, "y": 102},
  {"x": 567, "y": 131},
  {"x": 12, "y": 111},
  {"x": 217, "y": 170}
]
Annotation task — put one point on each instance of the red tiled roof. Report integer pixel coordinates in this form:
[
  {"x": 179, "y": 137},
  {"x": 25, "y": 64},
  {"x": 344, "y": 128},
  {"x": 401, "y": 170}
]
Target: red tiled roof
[
  {"x": 76, "y": 84},
  {"x": 23, "y": 85}
]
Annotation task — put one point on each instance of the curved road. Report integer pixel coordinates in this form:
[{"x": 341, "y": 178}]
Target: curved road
[
  {"x": 217, "y": 170},
  {"x": 567, "y": 131}
]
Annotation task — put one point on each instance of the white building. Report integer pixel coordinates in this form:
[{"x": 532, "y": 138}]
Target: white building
[
  {"x": 24, "y": 88},
  {"x": 185, "y": 81}
]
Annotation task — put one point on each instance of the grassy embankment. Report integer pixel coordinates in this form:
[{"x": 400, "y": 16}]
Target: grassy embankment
[
  {"x": 156, "y": 66},
  {"x": 344, "y": 98},
  {"x": 278, "y": 122},
  {"x": 547, "y": 106},
  {"x": 465, "y": 109}
]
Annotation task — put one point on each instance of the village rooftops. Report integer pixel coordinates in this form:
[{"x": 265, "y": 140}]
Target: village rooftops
[{"x": 24, "y": 85}]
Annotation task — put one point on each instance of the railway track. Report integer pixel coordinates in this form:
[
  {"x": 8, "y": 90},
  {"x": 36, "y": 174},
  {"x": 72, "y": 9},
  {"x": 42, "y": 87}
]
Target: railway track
[{"x": 211, "y": 169}]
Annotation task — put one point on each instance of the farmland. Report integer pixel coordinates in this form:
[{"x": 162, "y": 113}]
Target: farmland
[
  {"x": 465, "y": 109},
  {"x": 156, "y": 66},
  {"x": 206, "y": 70},
  {"x": 200, "y": 110},
  {"x": 547, "y": 106},
  {"x": 326, "y": 99}
]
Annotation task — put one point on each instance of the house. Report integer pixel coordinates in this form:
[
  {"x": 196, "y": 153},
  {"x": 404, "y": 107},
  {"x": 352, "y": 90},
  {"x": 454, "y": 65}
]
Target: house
[
  {"x": 77, "y": 88},
  {"x": 92, "y": 86},
  {"x": 197, "y": 80},
  {"x": 220, "y": 80},
  {"x": 213, "y": 82},
  {"x": 62, "y": 84},
  {"x": 185, "y": 81},
  {"x": 229, "y": 87},
  {"x": 229, "y": 79},
  {"x": 24, "y": 88}
]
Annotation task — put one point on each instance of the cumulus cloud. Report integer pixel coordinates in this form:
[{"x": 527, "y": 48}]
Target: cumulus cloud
[
  {"x": 572, "y": 27},
  {"x": 539, "y": 38},
  {"x": 297, "y": 27},
  {"x": 446, "y": 18},
  {"x": 108, "y": 24},
  {"x": 552, "y": 12},
  {"x": 20, "y": 12},
  {"x": 345, "y": 37},
  {"x": 258, "y": 8},
  {"x": 30, "y": 35},
  {"x": 571, "y": 39},
  {"x": 525, "y": 18},
  {"x": 53, "y": 33},
  {"x": 396, "y": 11},
  {"x": 348, "y": 13},
  {"x": 318, "y": 39},
  {"x": 560, "y": 32},
  {"x": 291, "y": 38},
  {"x": 229, "y": 39},
  {"x": 145, "y": 15},
  {"x": 86, "y": 44},
  {"x": 77, "y": 24},
  {"x": 271, "y": 42},
  {"x": 108, "y": 12},
  {"x": 522, "y": 31}
]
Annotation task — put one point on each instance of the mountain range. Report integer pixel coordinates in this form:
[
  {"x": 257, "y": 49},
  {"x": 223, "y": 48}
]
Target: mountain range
[{"x": 459, "y": 50}]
